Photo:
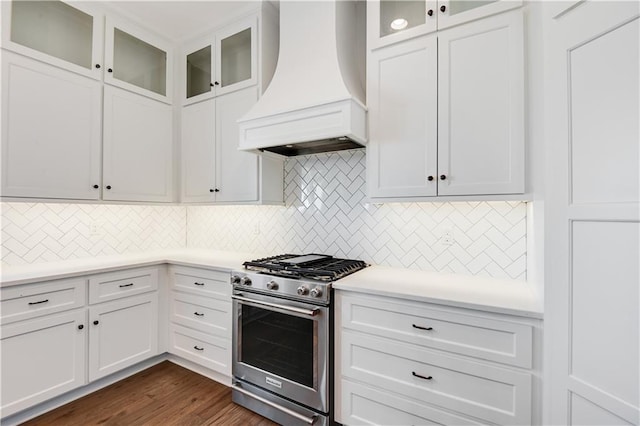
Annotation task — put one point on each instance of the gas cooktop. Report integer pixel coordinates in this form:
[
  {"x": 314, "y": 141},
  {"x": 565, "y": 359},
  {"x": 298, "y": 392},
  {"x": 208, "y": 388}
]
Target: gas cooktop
[{"x": 313, "y": 266}]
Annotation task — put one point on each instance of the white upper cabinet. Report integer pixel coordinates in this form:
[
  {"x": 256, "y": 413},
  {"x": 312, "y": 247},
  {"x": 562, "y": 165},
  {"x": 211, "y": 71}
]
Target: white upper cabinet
[
  {"x": 446, "y": 112},
  {"x": 481, "y": 107},
  {"x": 56, "y": 32},
  {"x": 137, "y": 147},
  {"x": 221, "y": 63},
  {"x": 391, "y": 21},
  {"x": 138, "y": 61},
  {"x": 403, "y": 141},
  {"x": 50, "y": 131}
]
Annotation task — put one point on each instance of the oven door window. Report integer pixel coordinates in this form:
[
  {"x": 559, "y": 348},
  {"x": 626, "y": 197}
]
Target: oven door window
[{"x": 280, "y": 344}]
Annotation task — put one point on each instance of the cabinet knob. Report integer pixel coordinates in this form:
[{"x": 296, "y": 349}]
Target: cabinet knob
[
  {"x": 98, "y": 66},
  {"x": 211, "y": 84},
  {"x": 430, "y": 12},
  {"x": 420, "y": 376},
  {"x": 110, "y": 70},
  {"x": 96, "y": 186},
  {"x": 443, "y": 177},
  {"x": 216, "y": 83},
  {"x": 96, "y": 322},
  {"x": 212, "y": 190},
  {"x": 81, "y": 326},
  {"x": 216, "y": 190},
  {"x": 108, "y": 186},
  {"x": 443, "y": 8},
  {"x": 429, "y": 178}
]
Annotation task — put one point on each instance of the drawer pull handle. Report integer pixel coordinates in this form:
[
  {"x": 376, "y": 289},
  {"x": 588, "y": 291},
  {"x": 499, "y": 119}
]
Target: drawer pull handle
[
  {"x": 125, "y": 285},
  {"x": 421, "y": 377},
  {"x": 198, "y": 314},
  {"x": 197, "y": 283},
  {"x": 422, "y": 328},
  {"x": 198, "y": 349},
  {"x": 39, "y": 302}
]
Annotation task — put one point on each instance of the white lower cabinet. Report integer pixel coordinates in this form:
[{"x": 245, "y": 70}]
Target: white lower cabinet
[
  {"x": 42, "y": 358},
  {"x": 200, "y": 316},
  {"x": 122, "y": 333},
  {"x": 403, "y": 362}
]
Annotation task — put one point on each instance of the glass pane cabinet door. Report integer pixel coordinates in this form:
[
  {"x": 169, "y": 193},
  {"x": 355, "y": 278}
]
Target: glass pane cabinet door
[
  {"x": 55, "y": 32},
  {"x": 235, "y": 58},
  {"x": 461, "y": 6},
  {"x": 401, "y": 15},
  {"x": 139, "y": 63},
  {"x": 199, "y": 76}
]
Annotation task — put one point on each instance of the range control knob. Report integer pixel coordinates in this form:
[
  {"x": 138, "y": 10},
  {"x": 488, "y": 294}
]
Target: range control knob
[
  {"x": 272, "y": 285},
  {"x": 303, "y": 290},
  {"x": 245, "y": 281},
  {"x": 235, "y": 279},
  {"x": 316, "y": 292}
]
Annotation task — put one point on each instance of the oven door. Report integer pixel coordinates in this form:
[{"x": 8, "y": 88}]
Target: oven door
[{"x": 282, "y": 346}]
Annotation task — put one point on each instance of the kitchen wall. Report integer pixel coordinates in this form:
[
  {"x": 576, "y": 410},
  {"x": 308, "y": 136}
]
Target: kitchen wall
[
  {"x": 43, "y": 232},
  {"x": 326, "y": 212}
]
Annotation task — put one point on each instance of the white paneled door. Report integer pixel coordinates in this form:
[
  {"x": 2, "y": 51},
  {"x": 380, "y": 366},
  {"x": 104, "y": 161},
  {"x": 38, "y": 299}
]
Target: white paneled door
[{"x": 593, "y": 217}]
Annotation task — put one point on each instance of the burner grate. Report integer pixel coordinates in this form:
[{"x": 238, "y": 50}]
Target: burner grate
[{"x": 319, "y": 266}]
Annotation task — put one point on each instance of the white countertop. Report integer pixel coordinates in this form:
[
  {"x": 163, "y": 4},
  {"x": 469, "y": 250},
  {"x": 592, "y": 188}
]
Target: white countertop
[{"x": 484, "y": 293}]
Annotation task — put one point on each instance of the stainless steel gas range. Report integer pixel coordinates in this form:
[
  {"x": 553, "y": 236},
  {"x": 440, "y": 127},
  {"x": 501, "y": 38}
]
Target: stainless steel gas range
[{"x": 283, "y": 336}]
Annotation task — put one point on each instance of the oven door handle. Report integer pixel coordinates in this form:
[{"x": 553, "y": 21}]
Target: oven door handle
[
  {"x": 258, "y": 303},
  {"x": 305, "y": 419}
]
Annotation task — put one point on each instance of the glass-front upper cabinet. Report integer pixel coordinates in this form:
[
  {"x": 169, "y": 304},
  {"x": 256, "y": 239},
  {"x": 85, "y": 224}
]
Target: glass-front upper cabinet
[
  {"x": 137, "y": 61},
  {"x": 391, "y": 21},
  {"x": 221, "y": 63},
  {"x": 53, "y": 31}
]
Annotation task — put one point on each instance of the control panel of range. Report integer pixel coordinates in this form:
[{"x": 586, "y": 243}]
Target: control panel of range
[{"x": 279, "y": 286}]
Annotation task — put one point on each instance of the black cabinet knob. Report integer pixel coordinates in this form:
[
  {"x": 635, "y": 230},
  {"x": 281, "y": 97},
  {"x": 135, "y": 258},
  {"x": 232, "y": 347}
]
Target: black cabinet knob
[
  {"x": 443, "y": 8},
  {"x": 211, "y": 84},
  {"x": 96, "y": 322},
  {"x": 108, "y": 187},
  {"x": 429, "y": 178},
  {"x": 95, "y": 187},
  {"x": 216, "y": 83},
  {"x": 443, "y": 177},
  {"x": 430, "y": 12},
  {"x": 81, "y": 326},
  {"x": 212, "y": 190},
  {"x": 110, "y": 70},
  {"x": 216, "y": 190},
  {"x": 98, "y": 66}
]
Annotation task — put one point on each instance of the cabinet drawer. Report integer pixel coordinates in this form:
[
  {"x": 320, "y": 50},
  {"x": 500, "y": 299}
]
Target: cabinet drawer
[
  {"x": 208, "y": 351},
  {"x": 477, "y": 389},
  {"x": 364, "y": 405},
  {"x": 115, "y": 285},
  {"x": 210, "y": 316},
  {"x": 485, "y": 338},
  {"x": 32, "y": 300},
  {"x": 200, "y": 281}
]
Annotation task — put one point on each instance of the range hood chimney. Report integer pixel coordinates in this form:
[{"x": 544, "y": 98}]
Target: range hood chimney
[{"x": 316, "y": 99}]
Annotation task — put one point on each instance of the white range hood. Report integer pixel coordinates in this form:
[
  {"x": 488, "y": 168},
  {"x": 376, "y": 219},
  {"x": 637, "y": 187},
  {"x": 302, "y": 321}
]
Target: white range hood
[{"x": 316, "y": 99}]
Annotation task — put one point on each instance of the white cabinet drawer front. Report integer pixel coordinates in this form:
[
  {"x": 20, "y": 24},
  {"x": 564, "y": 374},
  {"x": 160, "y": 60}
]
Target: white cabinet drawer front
[
  {"x": 42, "y": 358},
  {"x": 199, "y": 281},
  {"x": 480, "y": 390},
  {"x": 208, "y": 351},
  {"x": 364, "y": 405},
  {"x": 32, "y": 300},
  {"x": 207, "y": 315},
  {"x": 116, "y": 285},
  {"x": 493, "y": 340}
]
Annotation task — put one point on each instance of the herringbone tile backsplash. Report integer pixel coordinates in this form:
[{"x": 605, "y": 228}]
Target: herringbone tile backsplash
[
  {"x": 326, "y": 212},
  {"x": 45, "y": 232}
]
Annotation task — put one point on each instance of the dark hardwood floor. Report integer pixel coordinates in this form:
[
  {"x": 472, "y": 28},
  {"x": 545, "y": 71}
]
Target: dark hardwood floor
[{"x": 165, "y": 394}]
